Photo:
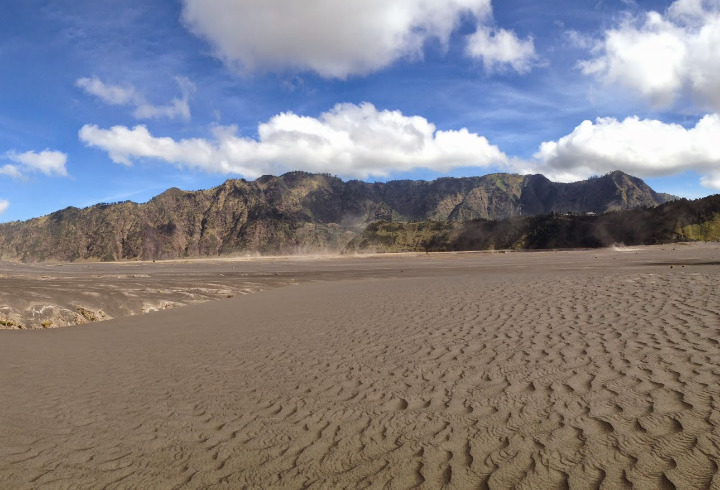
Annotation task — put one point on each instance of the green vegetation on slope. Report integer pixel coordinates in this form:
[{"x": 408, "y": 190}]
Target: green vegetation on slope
[{"x": 676, "y": 221}]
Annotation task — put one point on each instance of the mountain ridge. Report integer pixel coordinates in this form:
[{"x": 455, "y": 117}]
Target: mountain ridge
[{"x": 300, "y": 211}]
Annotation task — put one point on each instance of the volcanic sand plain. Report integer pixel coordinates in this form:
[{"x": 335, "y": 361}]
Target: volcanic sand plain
[{"x": 587, "y": 369}]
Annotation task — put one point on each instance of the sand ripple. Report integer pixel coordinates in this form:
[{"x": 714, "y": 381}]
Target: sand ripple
[{"x": 543, "y": 378}]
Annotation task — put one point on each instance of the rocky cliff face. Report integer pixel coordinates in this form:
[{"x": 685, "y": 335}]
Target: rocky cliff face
[{"x": 299, "y": 212}]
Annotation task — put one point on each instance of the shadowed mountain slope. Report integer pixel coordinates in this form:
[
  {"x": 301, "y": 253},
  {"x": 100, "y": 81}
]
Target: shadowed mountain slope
[{"x": 677, "y": 221}]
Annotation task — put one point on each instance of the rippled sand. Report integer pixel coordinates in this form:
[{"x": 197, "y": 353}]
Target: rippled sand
[{"x": 595, "y": 369}]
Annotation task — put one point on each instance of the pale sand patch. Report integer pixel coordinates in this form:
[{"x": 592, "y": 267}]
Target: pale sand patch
[
  {"x": 537, "y": 370},
  {"x": 59, "y": 295}
]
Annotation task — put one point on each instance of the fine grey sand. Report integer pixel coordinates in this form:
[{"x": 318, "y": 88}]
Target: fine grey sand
[{"x": 590, "y": 369}]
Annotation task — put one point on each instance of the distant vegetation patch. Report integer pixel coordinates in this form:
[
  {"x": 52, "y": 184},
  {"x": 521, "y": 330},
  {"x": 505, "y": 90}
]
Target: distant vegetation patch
[{"x": 677, "y": 221}]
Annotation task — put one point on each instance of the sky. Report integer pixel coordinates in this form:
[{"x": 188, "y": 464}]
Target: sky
[{"x": 113, "y": 100}]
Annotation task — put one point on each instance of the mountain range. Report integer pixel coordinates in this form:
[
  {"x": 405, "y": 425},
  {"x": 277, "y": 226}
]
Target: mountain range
[{"x": 301, "y": 212}]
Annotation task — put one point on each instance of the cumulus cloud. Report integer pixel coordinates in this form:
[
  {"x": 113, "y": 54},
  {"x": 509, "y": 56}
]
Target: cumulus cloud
[
  {"x": 663, "y": 56},
  {"x": 498, "y": 48},
  {"x": 642, "y": 147},
  {"x": 128, "y": 95},
  {"x": 47, "y": 162},
  {"x": 339, "y": 39},
  {"x": 4, "y": 205},
  {"x": 349, "y": 140}
]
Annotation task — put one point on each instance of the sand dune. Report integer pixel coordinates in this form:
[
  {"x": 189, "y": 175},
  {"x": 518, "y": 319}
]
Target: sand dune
[{"x": 596, "y": 369}]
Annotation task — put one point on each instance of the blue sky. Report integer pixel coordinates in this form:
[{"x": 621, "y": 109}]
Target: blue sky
[{"x": 108, "y": 100}]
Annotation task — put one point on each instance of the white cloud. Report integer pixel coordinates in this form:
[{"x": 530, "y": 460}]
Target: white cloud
[
  {"x": 4, "y": 205},
  {"x": 579, "y": 39},
  {"x": 665, "y": 56},
  {"x": 128, "y": 95},
  {"x": 10, "y": 170},
  {"x": 336, "y": 39},
  {"x": 47, "y": 162},
  {"x": 499, "y": 47},
  {"x": 642, "y": 147},
  {"x": 687, "y": 10},
  {"x": 176, "y": 108},
  {"x": 711, "y": 181},
  {"x": 349, "y": 140},
  {"x": 111, "y": 94}
]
